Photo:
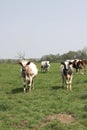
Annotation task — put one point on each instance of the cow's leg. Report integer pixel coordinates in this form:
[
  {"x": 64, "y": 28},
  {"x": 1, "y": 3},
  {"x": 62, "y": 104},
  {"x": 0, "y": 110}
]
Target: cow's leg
[
  {"x": 83, "y": 71},
  {"x": 63, "y": 80},
  {"x": 24, "y": 86},
  {"x": 70, "y": 82},
  {"x": 30, "y": 83},
  {"x": 33, "y": 84},
  {"x": 67, "y": 85},
  {"x": 70, "y": 87}
]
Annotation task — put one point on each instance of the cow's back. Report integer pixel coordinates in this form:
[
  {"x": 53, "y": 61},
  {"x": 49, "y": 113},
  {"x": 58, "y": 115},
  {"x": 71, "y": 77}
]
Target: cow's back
[{"x": 34, "y": 69}]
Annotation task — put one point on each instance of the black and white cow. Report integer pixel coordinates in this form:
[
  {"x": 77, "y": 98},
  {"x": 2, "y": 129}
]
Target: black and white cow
[
  {"x": 67, "y": 74},
  {"x": 45, "y": 65}
]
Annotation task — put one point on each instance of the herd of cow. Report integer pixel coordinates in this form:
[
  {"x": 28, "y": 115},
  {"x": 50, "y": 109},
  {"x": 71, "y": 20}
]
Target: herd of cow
[{"x": 29, "y": 71}]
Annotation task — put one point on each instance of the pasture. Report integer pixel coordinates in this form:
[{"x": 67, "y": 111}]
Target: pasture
[{"x": 47, "y": 107}]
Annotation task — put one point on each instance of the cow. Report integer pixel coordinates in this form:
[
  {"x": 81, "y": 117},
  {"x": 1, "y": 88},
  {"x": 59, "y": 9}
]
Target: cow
[
  {"x": 67, "y": 74},
  {"x": 84, "y": 64},
  {"x": 80, "y": 65},
  {"x": 28, "y": 72},
  {"x": 45, "y": 65},
  {"x": 77, "y": 65}
]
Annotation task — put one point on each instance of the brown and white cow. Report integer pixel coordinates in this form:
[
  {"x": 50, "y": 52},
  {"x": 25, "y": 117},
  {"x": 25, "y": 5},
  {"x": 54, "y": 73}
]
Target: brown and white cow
[
  {"x": 28, "y": 72},
  {"x": 80, "y": 65},
  {"x": 67, "y": 74}
]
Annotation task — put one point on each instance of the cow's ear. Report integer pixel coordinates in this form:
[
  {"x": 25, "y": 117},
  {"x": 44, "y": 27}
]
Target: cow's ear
[
  {"x": 20, "y": 63},
  {"x": 28, "y": 63},
  {"x": 62, "y": 63}
]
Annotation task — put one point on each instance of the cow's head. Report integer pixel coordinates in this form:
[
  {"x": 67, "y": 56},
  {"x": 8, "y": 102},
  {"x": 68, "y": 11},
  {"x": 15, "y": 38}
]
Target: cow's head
[{"x": 24, "y": 64}]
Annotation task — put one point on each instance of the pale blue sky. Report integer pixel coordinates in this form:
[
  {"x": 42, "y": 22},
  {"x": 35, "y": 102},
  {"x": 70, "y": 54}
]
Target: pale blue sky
[{"x": 39, "y": 27}]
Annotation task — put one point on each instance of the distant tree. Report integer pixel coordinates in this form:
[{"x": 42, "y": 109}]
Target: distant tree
[
  {"x": 84, "y": 50},
  {"x": 69, "y": 55},
  {"x": 21, "y": 55},
  {"x": 49, "y": 57},
  {"x": 78, "y": 54}
]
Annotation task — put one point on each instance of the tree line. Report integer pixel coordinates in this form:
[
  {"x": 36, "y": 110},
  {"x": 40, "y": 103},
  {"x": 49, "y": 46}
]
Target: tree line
[{"x": 80, "y": 54}]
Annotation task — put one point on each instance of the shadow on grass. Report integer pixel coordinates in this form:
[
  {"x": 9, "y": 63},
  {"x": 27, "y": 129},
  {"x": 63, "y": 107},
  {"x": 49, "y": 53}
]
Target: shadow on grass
[
  {"x": 56, "y": 87},
  {"x": 84, "y": 96},
  {"x": 85, "y": 81},
  {"x": 17, "y": 90},
  {"x": 80, "y": 81}
]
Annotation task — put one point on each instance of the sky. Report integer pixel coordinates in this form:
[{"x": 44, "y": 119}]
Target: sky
[{"x": 35, "y": 28}]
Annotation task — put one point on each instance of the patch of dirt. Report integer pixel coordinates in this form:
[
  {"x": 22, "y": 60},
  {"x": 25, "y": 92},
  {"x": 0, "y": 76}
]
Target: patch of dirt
[
  {"x": 63, "y": 118},
  {"x": 23, "y": 123},
  {"x": 11, "y": 117}
]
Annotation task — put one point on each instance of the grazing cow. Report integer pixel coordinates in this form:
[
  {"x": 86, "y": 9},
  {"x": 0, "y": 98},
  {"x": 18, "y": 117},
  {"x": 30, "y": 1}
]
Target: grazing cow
[
  {"x": 67, "y": 74},
  {"x": 77, "y": 64},
  {"x": 45, "y": 65},
  {"x": 80, "y": 65},
  {"x": 28, "y": 72},
  {"x": 84, "y": 64}
]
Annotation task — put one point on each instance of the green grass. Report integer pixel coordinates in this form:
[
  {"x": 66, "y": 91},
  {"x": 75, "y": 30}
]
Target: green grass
[{"x": 19, "y": 111}]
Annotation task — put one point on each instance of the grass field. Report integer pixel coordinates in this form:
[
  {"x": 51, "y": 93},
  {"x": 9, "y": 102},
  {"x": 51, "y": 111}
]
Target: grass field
[{"x": 47, "y": 107}]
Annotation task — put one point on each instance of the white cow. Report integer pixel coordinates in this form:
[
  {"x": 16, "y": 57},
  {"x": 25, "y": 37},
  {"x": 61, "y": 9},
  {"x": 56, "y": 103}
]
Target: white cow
[
  {"x": 28, "y": 72},
  {"x": 45, "y": 65}
]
